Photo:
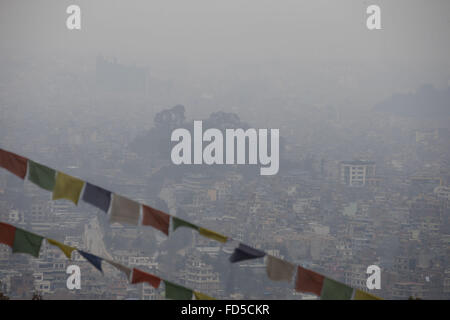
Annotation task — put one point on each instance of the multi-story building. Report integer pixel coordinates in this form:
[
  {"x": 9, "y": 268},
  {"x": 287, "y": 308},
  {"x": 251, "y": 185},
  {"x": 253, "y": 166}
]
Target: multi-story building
[
  {"x": 201, "y": 276},
  {"x": 356, "y": 173}
]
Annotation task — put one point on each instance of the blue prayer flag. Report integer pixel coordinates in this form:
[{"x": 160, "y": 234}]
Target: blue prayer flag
[
  {"x": 244, "y": 252},
  {"x": 94, "y": 260},
  {"x": 96, "y": 196}
]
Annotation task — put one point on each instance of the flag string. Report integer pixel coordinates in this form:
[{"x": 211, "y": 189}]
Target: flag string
[
  {"x": 126, "y": 211},
  {"x": 22, "y": 241}
]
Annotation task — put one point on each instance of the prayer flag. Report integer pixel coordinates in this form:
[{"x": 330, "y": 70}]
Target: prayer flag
[
  {"x": 308, "y": 281},
  {"x": 141, "y": 276},
  {"x": 177, "y": 222},
  {"x": 279, "y": 270},
  {"x": 41, "y": 175},
  {"x": 212, "y": 235},
  {"x": 244, "y": 252},
  {"x": 177, "y": 292},
  {"x": 124, "y": 210},
  {"x": 67, "y": 187},
  {"x": 67, "y": 250},
  {"x": 94, "y": 260},
  {"x": 334, "y": 290},
  {"x": 155, "y": 218},
  {"x": 7, "y": 233},
  {"x": 13, "y": 163},
  {"x": 361, "y": 295},
  {"x": 120, "y": 267},
  {"x": 96, "y": 196},
  {"x": 27, "y": 242},
  {"x": 202, "y": 296}
]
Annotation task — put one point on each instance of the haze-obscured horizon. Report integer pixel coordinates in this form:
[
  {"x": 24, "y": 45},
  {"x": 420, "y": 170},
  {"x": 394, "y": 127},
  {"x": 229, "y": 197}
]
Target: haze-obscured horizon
[
  {"x": 319, "y": 48},
  {"x": 100, "y": 103}
]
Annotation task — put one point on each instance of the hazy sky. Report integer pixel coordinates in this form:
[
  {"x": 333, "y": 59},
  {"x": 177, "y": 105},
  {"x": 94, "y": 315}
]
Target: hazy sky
[
  {"x": 212, "y": 30},
  {"x": 209, "y": 36}
]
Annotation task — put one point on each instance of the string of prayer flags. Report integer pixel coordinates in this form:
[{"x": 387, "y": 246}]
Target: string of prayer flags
[
  {"x": 308, "y": 281},
  {"x": 177, "y": 222},
  {"x": 124, "y": 210},
  {"x": 67, "y": 250},
  {"x": 244, "y": 252},
  {"x": 96, "y": 196},
  {"x": 67, "y": 187},
  {"x": 94, "y": 260},
  {"x": 177, "y": 292},
  {"x": 141, "y": 276},
  {"x": 155, "y": 218},
  {"x": 212, "y": 235},
  {"x": 13, "y": 163},
  {"x": 7, "y": 234},
  {"x": 202, "y": 296},
  {"x": 41, "y": 175},
  {"x": 334, "y": 290},
  {"x": 362, "y": 295},
  {"x": 120, "y": 267},
  {"x": 279, "y": 270},
  {"x": 27, "y": 242}
]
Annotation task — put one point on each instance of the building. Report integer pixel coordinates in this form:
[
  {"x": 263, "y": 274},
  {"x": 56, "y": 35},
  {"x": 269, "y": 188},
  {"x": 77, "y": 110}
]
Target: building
[
  {"x": 404, "y": 290},
  {"x": 201, "y": 276},
  {"x": 423, "y": 184},
  {"x": 442, "y": 192},
  {"x": 356, "y": 173}
]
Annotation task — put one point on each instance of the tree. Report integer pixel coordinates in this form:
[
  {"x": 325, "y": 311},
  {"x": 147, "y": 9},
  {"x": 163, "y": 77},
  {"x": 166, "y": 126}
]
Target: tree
[
  {"x": 224, "y": 120},
  {"x": 154, "y": 144},
  {"x": 170, "y": 118}
]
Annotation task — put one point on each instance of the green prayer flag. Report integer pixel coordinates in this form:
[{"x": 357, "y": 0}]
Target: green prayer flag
[
  {"x": 181, "y": 223},
  {"x": 334, "y": 290},
  {"x": 177, "y": 292},
  {"x": 27, "y": 242},
  {"x": 41, "y": 175}
]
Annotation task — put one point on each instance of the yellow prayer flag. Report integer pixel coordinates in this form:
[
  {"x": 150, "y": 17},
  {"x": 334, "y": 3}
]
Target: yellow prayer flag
[
  {"x": 202, "y": 296},
  {"x": 67, "y": 187},
  {"x": 361, "y": 295},
  {"x": 213, "y": 235},
  {"x": 67, "y": 250}
]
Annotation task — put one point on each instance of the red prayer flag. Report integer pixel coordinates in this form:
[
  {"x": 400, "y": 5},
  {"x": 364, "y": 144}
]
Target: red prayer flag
[
  {"x": 308, "y": 281},
  {"x": 156, "y": 219},
  {"x": 141, "y": 276},
  {"x": 7, "y": 234},
  {"x": 13, "y": 163}
]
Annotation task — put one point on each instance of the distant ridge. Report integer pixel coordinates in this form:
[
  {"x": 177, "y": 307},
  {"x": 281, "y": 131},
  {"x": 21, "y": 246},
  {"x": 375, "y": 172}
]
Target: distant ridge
[{"x": 426, "y": 102}]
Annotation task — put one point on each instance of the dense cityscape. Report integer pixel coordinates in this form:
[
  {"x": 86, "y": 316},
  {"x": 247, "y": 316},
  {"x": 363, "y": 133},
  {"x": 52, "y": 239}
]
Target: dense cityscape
[{"x": 354, "y": 189}]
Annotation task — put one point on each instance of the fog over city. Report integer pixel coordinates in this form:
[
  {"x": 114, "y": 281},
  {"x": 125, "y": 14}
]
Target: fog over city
[{"x": 363, "y": 118}]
